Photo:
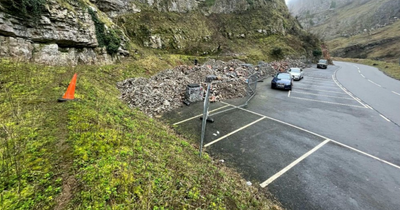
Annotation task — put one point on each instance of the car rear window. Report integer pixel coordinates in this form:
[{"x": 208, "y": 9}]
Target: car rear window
[{"x": 283, "y": 76}]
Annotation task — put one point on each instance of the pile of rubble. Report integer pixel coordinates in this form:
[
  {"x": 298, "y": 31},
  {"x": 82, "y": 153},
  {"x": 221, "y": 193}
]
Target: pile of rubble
[
  {"x": 166, "y": 90},
  {"x": 282, "y": 66}
]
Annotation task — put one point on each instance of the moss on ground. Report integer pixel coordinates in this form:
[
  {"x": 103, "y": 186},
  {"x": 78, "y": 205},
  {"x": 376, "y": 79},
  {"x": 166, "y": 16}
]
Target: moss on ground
[{"x": 96, "y": 153}]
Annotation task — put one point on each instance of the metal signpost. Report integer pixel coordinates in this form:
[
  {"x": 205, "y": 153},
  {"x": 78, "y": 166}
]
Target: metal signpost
[{"x": 209, "y": 80}]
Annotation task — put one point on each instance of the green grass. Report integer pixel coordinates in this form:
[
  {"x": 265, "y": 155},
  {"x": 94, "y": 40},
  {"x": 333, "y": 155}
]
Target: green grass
[
  {"x": 96, "y": 153},
  {"x": 385, "y": 43},
  {"x": 390, "y": 69}
]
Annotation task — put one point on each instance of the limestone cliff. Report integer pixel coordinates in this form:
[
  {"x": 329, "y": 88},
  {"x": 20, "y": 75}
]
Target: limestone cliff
[
  {"x": 63, "y": 34},
  {"x": 353, "y": 28},
  {"x": 343, "y": 18},
  {"x": 69, "y": 32}
]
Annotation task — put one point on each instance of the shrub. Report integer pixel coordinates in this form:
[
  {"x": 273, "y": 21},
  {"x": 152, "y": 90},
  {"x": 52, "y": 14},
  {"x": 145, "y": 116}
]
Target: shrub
[
  {"x": 110, "y": 39},
  {"x": 277, "y": 53},
  {"x": 317, "y": 53},
  {"x": 27, "y": 8}
]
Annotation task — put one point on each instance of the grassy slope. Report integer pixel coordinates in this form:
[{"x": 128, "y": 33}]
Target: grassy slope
[
  {"x": 95, "y": 152},
  {"x": 346, "y": 19},
  {"x": 390, "y": 69},
  {"x": 389, "y": 51},
  {"x": 219, "y": 35}
]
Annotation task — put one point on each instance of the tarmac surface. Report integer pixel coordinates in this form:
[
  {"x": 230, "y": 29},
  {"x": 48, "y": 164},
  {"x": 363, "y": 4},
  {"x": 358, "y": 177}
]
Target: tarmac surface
[{"x": 333, "y": 142}]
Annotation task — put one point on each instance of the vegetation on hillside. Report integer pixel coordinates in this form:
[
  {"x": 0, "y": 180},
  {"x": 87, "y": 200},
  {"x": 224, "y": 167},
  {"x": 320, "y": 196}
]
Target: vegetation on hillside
[
  {"x": 389, "y": 68},
  {"x": 381, "y": 44},
  {"x": 251, "y": 36},
  {"x": 95, "y": 152}
]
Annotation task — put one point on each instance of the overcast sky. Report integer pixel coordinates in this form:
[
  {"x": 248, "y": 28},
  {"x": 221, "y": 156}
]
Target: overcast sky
[{"x": 287, "y": 1}]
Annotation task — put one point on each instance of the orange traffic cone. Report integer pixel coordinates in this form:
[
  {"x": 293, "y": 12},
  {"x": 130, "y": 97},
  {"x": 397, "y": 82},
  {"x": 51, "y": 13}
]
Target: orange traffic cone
[{"x": 69, "y": 94}]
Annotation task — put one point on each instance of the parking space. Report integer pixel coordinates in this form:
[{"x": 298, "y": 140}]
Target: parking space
[
  {"x": 280, "y": 140},
  {"x": 265, "y": 148},
  {"x": 322, "y": 89},
  {"x": 324, "y": 181}
]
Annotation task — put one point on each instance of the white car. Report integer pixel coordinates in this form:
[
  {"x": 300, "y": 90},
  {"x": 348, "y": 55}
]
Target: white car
[{"x": 296, "y": 73}]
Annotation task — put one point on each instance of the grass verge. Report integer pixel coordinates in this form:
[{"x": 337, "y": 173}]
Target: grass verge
[
  {"x": 96, "y": 153},
  {"x": 390, "y": 69}
]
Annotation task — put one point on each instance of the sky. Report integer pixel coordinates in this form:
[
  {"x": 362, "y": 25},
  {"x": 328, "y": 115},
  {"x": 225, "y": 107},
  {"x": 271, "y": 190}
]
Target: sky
[{"x": 287, "y": 1}]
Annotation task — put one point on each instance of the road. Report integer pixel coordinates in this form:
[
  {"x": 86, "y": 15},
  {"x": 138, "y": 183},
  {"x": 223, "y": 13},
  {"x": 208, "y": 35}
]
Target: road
[
  {"x": 373, "y": 87},
  {"x": 327, "y": 144}
]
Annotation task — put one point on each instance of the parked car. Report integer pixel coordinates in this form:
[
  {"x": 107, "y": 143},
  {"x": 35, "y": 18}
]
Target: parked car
[
  {"x": 323, "y": 64},
  {"x": 282, "y": 81},
  {"x": 297, "y": 73}
]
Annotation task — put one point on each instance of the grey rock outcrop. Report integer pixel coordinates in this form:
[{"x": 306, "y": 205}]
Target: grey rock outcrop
[
  {"x": 344, "y": 18},
  {"x": 60, "y": 37}
]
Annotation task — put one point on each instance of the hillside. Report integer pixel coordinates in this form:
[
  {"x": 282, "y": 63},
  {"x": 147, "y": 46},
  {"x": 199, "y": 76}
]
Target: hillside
[
  {"x": 96, "y": 153},
  {"x": 352, "y": 28},
  {"x": 382, "y": 44},
  {"x": 66, "y": 32}
]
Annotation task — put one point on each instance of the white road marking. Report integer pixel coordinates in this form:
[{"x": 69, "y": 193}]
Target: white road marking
[
  {"x": 316, "y": 134},
  {"x": 328, "y": 91},
  {"x": 300, "y": 92},
  {"x": 233, "y": 132},
  {"x": 369, "y": 107},
  {"x": 374, "y": 83},
  {"x": 348, "y": 93},
  {"x": 396, "y": 93},
  {"x": 287, "y": 168},
  {"x": 366, "y": 154},
  {"x": 319, "y": 78},
  {"x": 328, "y": 102},
  {"x": 199, "y": 115},
  {"x": 385, "y": 118},
  {"x": 362, "y": 75},
  {"x": 288, "y": 95},
  {"x": 316, "y": 84},
  {"x": 317, "y": 87}
]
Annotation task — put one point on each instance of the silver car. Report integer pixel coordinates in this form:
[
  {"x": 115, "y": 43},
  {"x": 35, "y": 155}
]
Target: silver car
[{"x": 296, "y": 73}]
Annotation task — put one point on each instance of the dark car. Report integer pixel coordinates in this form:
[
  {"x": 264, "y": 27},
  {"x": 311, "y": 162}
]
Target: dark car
[
  {"x": 322, "y": 64},
  {"x": 282, "y": 81}
]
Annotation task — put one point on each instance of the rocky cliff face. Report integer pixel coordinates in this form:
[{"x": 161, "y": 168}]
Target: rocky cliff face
[
  {"x": 69, "y": 32},
  {"x": 62, "y": 35},
  {"x": 343, "y": 18}
]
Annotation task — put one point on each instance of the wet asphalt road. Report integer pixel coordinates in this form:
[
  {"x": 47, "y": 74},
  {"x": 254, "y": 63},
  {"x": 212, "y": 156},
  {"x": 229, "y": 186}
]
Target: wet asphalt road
[{"x": 319, "y": 146}]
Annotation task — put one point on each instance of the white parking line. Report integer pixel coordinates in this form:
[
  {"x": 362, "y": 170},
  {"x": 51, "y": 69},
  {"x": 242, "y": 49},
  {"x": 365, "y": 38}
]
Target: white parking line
[
  {"x": 344, "y": 89},
  {"x": 317, "y": 87},
  {"x": 328, "y": 91},
  {"x": 366, "y": 154},
  {"x": 199, "y": 115},
  {"x": 317, "y": 84},
  {"x": 233, "y": 132},
  {"x": 316, "y": 134},
  {"x": 328, "y": 102},
  {"x": 374, "y": 83},
  {"x": 385, "y": 118},
  {"x": 299, "y": 92},
  {"x": 319, "y": 78},
  {"x": 287, "y": 168},
  {"x": 396, "y": 93},
  {"x": 288, "y": 95},
  {"x": 362, "y": 75}
]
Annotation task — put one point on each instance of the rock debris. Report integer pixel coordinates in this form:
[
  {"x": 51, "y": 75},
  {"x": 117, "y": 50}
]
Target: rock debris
[{"x": 165, "y": 91}]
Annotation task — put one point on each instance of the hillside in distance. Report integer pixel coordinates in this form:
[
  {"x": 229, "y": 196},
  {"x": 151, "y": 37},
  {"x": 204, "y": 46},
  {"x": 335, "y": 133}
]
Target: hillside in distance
[{"x": 352, "y": 28}]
